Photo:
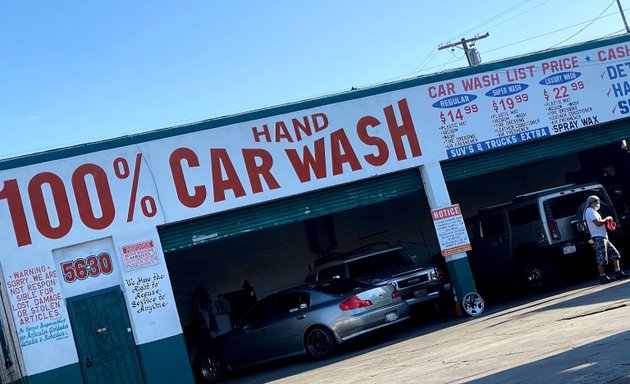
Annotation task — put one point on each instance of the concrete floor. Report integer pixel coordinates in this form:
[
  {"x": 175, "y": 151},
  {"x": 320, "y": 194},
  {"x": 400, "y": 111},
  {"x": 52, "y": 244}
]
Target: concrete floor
[{"x": 578, "y": 335}]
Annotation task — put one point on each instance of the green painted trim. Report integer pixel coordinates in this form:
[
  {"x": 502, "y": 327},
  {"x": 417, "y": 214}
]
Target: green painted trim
[
  {"x": 163, "y": 361},
  {"x": 461, "y": 277},
  {"x": 166, "y": 361},
  {"x": 292, "y": 209},
  {"x": 82, "y": 149},
  {"x": 69, "y": 374}
]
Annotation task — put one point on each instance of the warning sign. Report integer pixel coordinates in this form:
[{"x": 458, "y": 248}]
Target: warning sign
[
  {"x": 139, "y": 255},
  {"x": 451, "y": 230}
]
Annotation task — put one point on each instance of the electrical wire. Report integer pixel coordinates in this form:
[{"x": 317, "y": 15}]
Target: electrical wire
[
  {"x": 614, "y": 33},
  {"x": 485, "y": 22},
  {"x": 518, "y": 15},
  {"x": 586, "y": 26},
  {"x": 421, "y": 67},
  {"x": 549, "y": 33}
]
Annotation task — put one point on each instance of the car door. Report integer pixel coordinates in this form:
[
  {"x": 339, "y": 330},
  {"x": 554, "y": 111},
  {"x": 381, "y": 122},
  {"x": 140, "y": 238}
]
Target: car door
[
  {"x": 252, "y": 342},
  {"x": 291, "y": 318},
  {"x": 493, "y": 253}
]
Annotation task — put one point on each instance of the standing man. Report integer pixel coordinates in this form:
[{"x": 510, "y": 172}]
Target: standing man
[{"x": 604, "y": 249}]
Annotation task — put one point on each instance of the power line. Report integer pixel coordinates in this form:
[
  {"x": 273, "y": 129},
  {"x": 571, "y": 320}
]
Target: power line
[
  {"x": 549, "y": 33},
  {"x": 421, "y": 66},
  {"x": 471, "y": 53},
  {"x": 520, "y": 14},
  {"x": 483, "y": 23},
  {"x": 586, "y": 26}
]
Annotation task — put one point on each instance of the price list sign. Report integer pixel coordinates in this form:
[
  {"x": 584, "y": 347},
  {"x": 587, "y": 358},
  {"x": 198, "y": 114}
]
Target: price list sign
[{"x": 532, "y": 101}]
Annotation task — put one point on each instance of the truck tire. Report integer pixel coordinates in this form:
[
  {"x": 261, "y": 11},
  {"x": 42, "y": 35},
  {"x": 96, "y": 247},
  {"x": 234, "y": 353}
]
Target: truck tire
[{"x": 537, "y": 274}]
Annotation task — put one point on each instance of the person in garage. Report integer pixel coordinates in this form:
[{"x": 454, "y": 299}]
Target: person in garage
[{"x": 605, "y": 251}]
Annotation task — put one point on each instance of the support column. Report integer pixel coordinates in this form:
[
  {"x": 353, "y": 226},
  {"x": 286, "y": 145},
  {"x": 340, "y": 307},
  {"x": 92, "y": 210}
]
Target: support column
[{"x": 437, "y": 194}]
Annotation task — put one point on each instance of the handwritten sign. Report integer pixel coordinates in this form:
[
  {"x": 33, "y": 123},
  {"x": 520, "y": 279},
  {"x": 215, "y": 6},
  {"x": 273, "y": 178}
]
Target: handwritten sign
[
  {"x": 148, "y": 296},
  {"x": 451, "y": 230},
  {"x": 36, "y": 300}
]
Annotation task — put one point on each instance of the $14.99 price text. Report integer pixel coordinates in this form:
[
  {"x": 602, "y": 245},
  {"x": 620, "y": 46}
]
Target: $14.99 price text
[{"x": 458, "y": 114}]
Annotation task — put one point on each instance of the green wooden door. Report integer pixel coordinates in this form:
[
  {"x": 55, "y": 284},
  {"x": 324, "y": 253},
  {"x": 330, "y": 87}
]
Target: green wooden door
[{"x": 102, "y": 332}]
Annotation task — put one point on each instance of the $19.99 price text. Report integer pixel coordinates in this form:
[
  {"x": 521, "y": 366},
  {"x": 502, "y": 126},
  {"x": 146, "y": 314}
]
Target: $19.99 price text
[{"x": 508, "y": 103}]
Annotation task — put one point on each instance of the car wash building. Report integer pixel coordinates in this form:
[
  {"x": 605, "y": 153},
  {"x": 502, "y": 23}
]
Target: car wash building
[{"x": 107, "y": 245}]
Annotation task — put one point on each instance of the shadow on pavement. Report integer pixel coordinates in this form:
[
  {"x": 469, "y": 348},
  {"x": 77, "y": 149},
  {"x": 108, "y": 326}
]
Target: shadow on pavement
[
  {"x": 604, "y": 361},
  {"x": 557, "y": 299},
  {"x": 615, "y": 355},
  {"x": 293, "y": 366}
]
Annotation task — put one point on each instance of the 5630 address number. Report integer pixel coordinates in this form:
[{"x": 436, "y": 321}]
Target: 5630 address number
[{"x": 91, "y": 266}]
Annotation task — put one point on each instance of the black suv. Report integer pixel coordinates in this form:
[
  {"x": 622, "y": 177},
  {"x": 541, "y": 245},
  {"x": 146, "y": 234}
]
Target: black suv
[
  {"x": 534, "y": 238},
  {"x": 389, "y": 265}
]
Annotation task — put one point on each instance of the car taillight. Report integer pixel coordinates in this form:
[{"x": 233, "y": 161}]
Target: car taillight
[
  {"x": 395, "y": 294},
  {"x": 353, "y": 303},
  {"x": 553, "y": 228}
]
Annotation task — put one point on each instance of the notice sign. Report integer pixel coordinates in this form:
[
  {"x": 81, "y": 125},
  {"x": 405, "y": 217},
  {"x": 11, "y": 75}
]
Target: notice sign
[
  {"x": 451, "y": 230},
  {"x": 139, "y": 255}
]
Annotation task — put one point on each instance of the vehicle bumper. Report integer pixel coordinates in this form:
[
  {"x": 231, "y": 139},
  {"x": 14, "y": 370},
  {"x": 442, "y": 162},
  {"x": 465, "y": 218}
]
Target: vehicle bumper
[
  {"x": 361, "y": 323},
  {"x": 425, "y": 293}
]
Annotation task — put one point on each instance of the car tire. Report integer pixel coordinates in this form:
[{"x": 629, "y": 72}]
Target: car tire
[
  {"x": 209, "y": 368},
  {"x": 320, "y": 342},
  {"x": 538, "y": 274}
]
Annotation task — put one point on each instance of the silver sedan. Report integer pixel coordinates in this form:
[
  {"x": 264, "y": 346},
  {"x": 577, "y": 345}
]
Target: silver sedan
[{"x": 312, "y": 319}]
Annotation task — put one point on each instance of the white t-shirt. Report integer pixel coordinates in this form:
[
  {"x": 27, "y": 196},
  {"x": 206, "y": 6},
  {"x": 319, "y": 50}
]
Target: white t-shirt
[{"x": 589, "y": 215}]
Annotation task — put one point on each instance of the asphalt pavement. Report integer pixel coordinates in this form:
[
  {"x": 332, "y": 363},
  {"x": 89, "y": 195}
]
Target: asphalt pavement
[{"x": 577, "y": 335}]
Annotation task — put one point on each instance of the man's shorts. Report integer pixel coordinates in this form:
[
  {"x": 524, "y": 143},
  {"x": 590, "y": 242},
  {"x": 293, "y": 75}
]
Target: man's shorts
[{"x": 604, "y": 250}]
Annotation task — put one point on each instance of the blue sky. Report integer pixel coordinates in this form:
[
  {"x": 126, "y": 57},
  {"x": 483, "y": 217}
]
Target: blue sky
[{"x": 73, "y": 72}]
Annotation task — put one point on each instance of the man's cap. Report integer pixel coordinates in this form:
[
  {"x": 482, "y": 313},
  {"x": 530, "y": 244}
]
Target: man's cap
[{"x": 591, "y": 199}]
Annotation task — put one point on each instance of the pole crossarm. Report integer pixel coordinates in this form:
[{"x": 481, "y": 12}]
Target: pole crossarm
[{"x": 464, "y": 43}]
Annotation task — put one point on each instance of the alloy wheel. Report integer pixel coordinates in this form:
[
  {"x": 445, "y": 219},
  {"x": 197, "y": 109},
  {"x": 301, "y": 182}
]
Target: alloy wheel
[{"x": 473, "y": 304}]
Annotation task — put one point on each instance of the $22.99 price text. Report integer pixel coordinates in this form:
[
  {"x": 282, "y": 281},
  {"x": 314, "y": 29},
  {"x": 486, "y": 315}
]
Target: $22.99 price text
[{"x": 563, "y": 91}]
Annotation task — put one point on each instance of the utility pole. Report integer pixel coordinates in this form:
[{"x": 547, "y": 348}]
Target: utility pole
[
  {"x": 623, "y": 16},
  {"x": 471, "y": 53}
]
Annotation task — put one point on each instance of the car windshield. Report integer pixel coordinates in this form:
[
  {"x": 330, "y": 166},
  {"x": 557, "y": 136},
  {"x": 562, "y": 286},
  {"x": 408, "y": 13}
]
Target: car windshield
[
  {"x": 340, "y": 286},
  {"x": 375, "y": 264}
]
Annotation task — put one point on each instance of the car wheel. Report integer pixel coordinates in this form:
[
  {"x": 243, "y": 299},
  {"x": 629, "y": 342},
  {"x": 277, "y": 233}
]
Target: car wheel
[
  {"x": 320, "y": 342},
  {"x": 538, "y": 274},
  {"x": 209, "y": 368},
  {"x": 473, "y": 304}
]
